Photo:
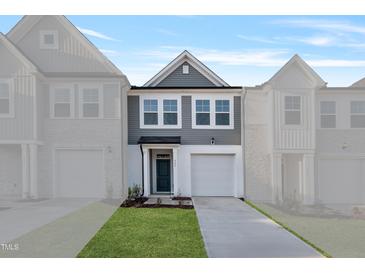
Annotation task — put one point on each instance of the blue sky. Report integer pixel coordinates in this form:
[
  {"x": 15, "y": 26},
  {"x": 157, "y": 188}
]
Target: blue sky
[{"x": 243, "y": 50}]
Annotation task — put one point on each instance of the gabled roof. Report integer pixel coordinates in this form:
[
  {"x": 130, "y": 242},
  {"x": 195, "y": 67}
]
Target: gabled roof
[
  {"x": 304, "y": 66},
  {"x": 27, "y": 22},
  {"x": 359, "y": 84},
  {"x": 186, "y": 56},
  {"x": 17, "y": 53}
]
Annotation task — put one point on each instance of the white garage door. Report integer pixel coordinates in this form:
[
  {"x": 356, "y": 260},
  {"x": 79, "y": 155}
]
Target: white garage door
[
  {"x": 341, "y": 180},
  {"x": 212, "y": 175},
  {"x": 79, "y": 173}
]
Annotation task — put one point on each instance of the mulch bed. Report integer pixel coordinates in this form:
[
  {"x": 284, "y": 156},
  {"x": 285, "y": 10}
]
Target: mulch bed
[{"x": 139, "y": 203}]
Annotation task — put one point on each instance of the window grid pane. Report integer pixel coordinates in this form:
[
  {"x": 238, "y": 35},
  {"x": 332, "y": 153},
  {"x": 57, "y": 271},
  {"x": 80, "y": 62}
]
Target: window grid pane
[
  {"x": 4, "y": 106},
  {"x": 292, "y": 117},
  {"x": 150, "y": 105},
  {"x": 91, "y": 95},
  {"x": 357, "y": 107},
  {"x": 170, "y": 105},
  {"x": 4, "y": 91},
  {"x": 328, "y": 121},
  {"x": 292, "y": 102},
  {"x": 328, "y": 107},
  {"x": 222, "y": 119},
  {"x": 222, "y": 105},
  {"x": 202, "y": 105},
  {"x": 203, "y": 119}
]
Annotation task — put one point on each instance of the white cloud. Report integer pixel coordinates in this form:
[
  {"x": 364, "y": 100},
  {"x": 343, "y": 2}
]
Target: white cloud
[
  {"x": 317, "y": 41},
  {"x": 96, "y": 34},
  {"x": 327, "y": 25},
  {"x": 258, "y": 39},
  {"x": 336, "y": 63}
]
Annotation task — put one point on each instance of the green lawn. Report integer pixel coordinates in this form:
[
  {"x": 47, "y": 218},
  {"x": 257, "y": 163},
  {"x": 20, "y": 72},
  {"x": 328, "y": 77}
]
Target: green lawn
[
  {"x": 148, "y": 232},
  {"x": 338, "y": 237}
]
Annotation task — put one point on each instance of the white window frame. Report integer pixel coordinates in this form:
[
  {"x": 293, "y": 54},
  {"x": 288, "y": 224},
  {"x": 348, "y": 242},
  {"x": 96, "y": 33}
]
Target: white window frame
[
  {"x": 212, "y": 99},
  {"x": 284, "y": 110},
  {"x": 186, "y": 69},
  {"x": 72, "y": 100},
  {"x": 160, "y": 111},
  {"x": 355, "y": 114},
  {"x": 327, "y": 114},
  {"x": 100, "y": 102},
  {"x": 43, "y": 45},
  {"x": 11, "y": 98}
]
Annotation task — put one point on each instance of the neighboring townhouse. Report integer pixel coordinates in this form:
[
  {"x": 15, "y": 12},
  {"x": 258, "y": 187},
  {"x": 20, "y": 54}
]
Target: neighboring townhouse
[
  {"x": 304, "y": 141},
  {"x": 62, "y": 114},
  {"x": 185, "y": 132}
]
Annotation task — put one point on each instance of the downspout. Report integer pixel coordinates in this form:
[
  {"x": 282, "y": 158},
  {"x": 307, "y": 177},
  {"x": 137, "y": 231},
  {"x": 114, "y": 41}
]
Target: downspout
[
  {"x": 244, "y": 91},
  {"x": 140, "y": 147}
]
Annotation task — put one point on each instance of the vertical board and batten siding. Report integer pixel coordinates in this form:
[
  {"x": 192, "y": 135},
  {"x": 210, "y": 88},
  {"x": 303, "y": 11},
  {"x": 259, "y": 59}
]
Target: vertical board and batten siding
[
  {"x": 20, "y": 127},
  {"x": 193, "y": 79},
  {"x": 71, "y": 55},
  {"x": 292, "y": 137},
  {"x": 188, "y": 135}
]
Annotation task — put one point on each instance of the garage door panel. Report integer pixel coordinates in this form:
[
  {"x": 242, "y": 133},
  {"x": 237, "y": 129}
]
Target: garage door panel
[
  {"x": 79, "y": 173},
  {"x": 212, "y": 175},
  {"x": 341, "y": 180}
]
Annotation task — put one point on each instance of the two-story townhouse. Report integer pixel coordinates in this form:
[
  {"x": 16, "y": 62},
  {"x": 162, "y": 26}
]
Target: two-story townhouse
[
  {"x": 185, "y": 132},
  {"x": 304, "y": 141},
  {"x": 62, "y": 114}
]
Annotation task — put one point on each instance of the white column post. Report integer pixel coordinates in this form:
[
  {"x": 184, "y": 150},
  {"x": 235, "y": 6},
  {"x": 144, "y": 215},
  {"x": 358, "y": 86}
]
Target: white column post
[
  {"x": 33, "y": 149},
  {"x": 174, "y": 171},
  {"x": 308, "y": 179},
  {"x": 277, "y": 178},
  {"x": 25, "y": 171},
  {"x": 146, "y": 174}
]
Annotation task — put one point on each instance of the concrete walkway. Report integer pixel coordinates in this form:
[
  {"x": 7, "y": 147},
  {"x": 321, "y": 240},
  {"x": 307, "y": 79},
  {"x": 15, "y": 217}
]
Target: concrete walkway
[
  {"x": 52, "y": 228},
  {"x": 232, "y": 229}
]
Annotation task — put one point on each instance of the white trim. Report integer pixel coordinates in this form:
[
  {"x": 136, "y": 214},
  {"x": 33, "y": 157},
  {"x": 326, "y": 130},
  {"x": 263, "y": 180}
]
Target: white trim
[
  {"x": 185, "y": 56},
  {"x": 52, "y": 102},
  {"x": 11, "y": 98},
  {"x": 160, "y": 112},
  {"x": 43, "y": 45},
  {"x": 100, "y": 99},
  {"x": 212, "y": 98}
]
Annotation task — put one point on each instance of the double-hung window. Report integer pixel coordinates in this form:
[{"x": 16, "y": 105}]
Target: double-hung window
[
  {"x": 222, "y": 113},
  {"x": 292, "y": 110},
  {"x": 202, "y": 112},
  {"x": 91, "y": 102},
  {"x": 6, "y": 99},
  {"x": 160, "y": 111},
  {"x": 169, "y": 112},
  {"x": 62, "y": 102},
  {"x": 150, "y": 111},
  {"x": 328, "y": 114},
  {"x": 212, "y": 111},
  {"x": 357, "y": 114}
]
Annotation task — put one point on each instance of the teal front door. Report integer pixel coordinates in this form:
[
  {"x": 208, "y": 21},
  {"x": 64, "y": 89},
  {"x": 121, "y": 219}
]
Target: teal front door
[{"x": 163, "y": 175}]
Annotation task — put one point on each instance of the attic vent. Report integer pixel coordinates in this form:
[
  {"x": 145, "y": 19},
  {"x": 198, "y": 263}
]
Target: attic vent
[{"x": 185, "y": 69}]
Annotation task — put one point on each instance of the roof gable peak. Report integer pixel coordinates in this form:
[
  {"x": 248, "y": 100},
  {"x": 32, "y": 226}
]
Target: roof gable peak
[{"x": 183, "y": 57}]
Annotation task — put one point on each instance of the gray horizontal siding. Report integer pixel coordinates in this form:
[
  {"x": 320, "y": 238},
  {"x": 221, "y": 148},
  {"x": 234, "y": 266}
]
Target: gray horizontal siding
[
  {"x": 193, "y": 79},
  {"x": 188, "y": 135}
]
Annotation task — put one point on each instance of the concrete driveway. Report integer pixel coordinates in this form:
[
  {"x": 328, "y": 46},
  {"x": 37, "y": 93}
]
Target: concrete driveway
[
  {"x": 50, "y": 228},
  {"x": 232, "y": 229}
]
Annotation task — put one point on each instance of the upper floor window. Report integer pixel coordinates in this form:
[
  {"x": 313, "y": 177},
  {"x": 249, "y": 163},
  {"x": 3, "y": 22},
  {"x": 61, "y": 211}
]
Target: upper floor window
[
  {"x": 357, "y": 114},
  {"x": 170, "y": 112},
  {"x": 292, "y": 110},
  {"x": 90, "y": 103},
  {"x": 213, "y": 111},
  {"x": 62, "y": 102},
  {"x": 185, "y": 69},
  {"x": 159, "y": 111},
  {"x": 6, "y": 99},
  {"x": 202, "y": 112},
  {"x": 222, "y": 112},
  {"x": 328, "y": 114},
  {"x": 48, "y": 39},
  {"x": 150, "y": 110}
]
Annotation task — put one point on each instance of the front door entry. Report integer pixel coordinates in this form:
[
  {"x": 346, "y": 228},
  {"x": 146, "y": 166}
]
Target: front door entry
[{"x": 163, "y": 175}]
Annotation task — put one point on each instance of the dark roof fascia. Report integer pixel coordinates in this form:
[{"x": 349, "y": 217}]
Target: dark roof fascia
[
  {"x": 197, "y": 87},
  {"x": 159, "y": 140}
]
